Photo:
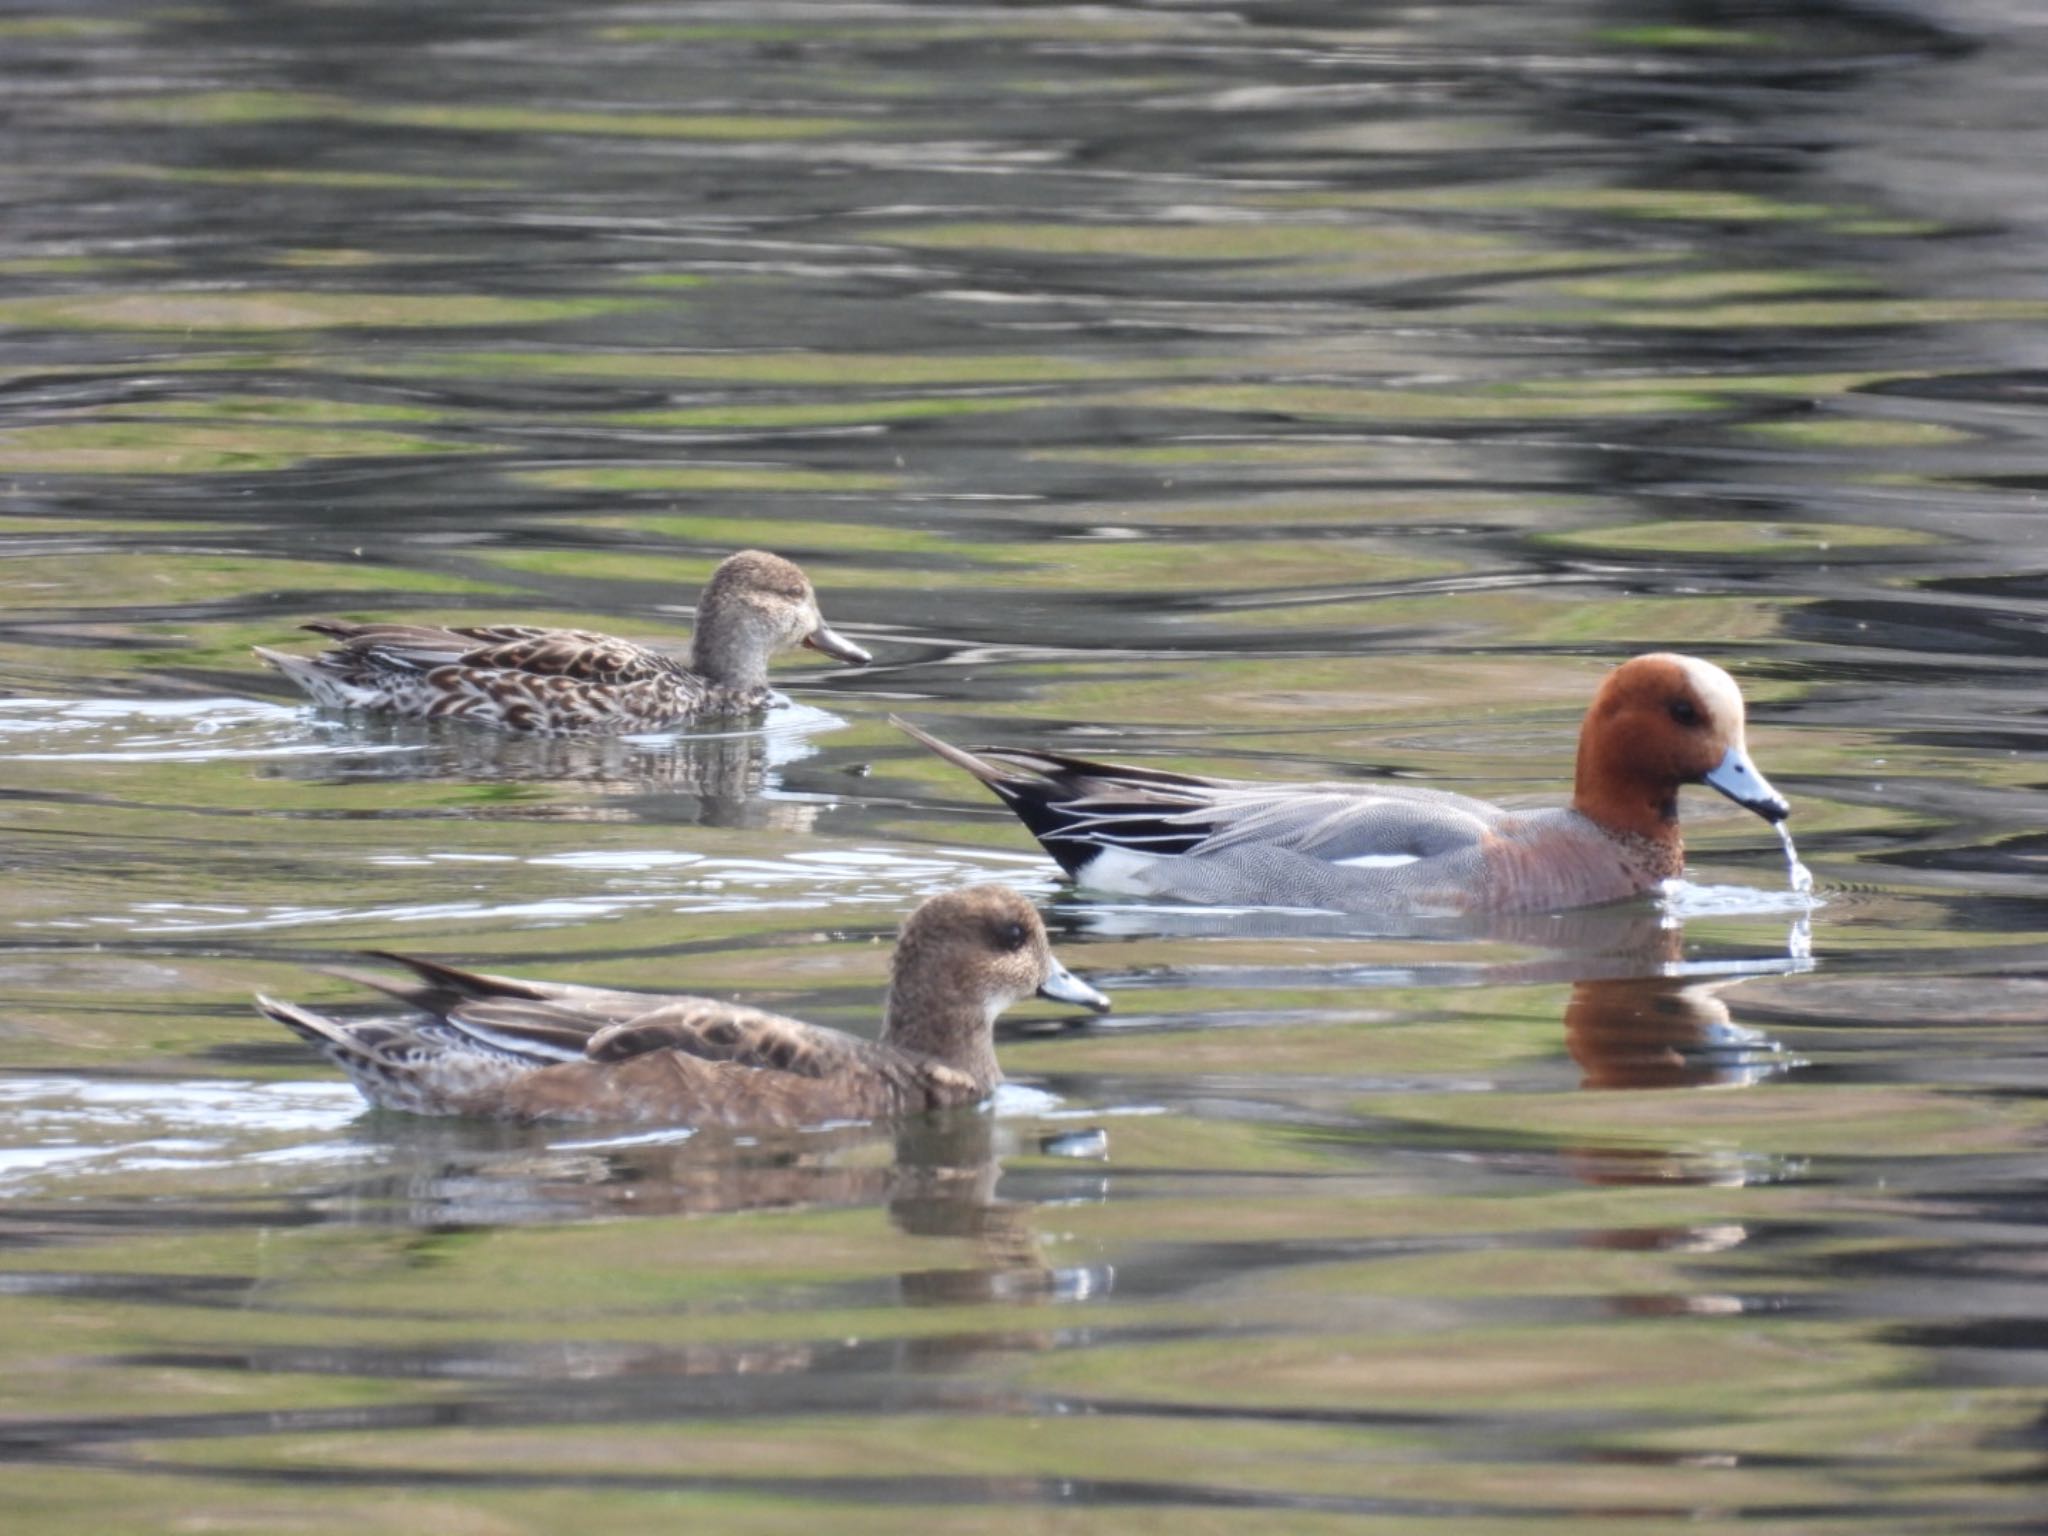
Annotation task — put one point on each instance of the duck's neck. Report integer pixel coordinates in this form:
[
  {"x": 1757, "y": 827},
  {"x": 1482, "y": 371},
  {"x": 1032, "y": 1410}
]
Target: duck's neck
[
  {"x": 727, "y": 653},
  {"x": 1613, "y": 789},
  {"x": 934, "y": 1017}
]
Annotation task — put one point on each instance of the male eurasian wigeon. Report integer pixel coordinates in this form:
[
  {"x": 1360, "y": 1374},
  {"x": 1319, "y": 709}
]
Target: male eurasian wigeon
[
  {"x": 571, "y": 681},
  {"x": 507, "y": 1049},
  {"x": 1656, "y": 722}
]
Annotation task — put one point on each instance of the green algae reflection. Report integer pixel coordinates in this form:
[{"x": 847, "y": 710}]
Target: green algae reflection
[
  {"x": 794, "y": 369},
  {"x": 1727, "y": 536},
  {"x": 704, "y": 477},
  {"x": 1326, "y": 252},
  {"x": 154, "y": 448},
  {"x": 255, "y": 107},
  {"x": 117, "y": 580},
  {"x": 171, "y": 309}
]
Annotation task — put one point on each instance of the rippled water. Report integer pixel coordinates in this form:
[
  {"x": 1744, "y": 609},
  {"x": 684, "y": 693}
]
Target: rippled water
[{"x": 1309, "y": 390}]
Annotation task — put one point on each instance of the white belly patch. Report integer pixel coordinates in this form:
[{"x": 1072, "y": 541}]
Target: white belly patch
[{"x": 1121, "y": 872}]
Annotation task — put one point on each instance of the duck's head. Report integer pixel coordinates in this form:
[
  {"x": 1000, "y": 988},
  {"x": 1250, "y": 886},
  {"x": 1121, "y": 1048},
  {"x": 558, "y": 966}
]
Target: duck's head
[
  {"x": 1657, "y": 722},
  {"x": 754, "y": 605},
  {"x": 961, "y": 959}
]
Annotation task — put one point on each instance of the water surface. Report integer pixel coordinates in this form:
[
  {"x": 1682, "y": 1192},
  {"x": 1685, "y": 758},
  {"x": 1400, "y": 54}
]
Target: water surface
[{"x": 1297, "y": 391}]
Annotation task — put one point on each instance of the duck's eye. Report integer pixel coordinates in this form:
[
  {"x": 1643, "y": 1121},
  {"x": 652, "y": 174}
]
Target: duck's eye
[
  {"x": 1011, "y": 936},
  {"x": 1685, "y": 712}
]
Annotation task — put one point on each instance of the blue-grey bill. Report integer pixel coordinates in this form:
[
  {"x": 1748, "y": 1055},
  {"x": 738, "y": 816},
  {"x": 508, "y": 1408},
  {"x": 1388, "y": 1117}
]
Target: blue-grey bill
[
  {"x": 1063, "y": 986},
  {"x": 827, "y": 639},
  {"x": 1737, "y": 778}
]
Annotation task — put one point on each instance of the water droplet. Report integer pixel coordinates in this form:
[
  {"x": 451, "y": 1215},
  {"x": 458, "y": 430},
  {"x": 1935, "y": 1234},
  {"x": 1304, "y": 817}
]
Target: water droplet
[
  {"x": 1798, "y": 874},
  {"x": 1799, "y": 938}
]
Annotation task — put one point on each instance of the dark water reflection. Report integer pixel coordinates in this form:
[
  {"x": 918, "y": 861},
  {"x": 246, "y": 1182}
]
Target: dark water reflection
[
  {"x": 1297, "y": 391},
  {"x": 1654, "y": 1032}
]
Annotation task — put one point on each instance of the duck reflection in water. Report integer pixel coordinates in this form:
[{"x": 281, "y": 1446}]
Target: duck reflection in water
[
  {"x": 1664, "y": 1032},
  {"x": 1671, "y": 1028},
  {"x": 935, "y": 1176},
  {"x": 732, "y": 779}
]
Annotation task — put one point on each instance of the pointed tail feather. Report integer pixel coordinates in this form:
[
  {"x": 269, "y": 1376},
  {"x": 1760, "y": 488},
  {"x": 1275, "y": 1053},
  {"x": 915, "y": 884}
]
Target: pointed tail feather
[
  {"x": 448, "y": 983},
  {"x": 291, "y": 666},
  {"x": 1077, "y": 807},
  {"x": 387, "y": 1079},
  {"x": 356, "y": 635},
  {"x": 989, "y": 773},
  {"x": 381, "y": 1081},
  {"x": 996, "y": 766},
  {"x": 317, "y": 677},
  {"x": 1029, "y": 797},
  {"x": 308, "y": 1026}
]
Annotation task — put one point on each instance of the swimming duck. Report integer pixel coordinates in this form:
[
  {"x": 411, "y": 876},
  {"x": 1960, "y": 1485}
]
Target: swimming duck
[
  {"x": 571, "y": 681},
  {"x": 1656, "y": 722},
  {"x": 503, "y": 1048}
]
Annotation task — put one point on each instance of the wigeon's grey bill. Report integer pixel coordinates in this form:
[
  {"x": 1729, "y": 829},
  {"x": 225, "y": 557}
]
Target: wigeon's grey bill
[
  {"x": 1063, "y": 986},
  {"x": 1737, "y": 778},
  {"x": 827, "y": 639}
]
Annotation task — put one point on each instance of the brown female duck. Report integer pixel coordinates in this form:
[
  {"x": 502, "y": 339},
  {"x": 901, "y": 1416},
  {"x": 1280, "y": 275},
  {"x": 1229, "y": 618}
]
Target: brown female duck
[
  {"x": 503, "y": 1048},
  {"x": 571, "y": 681}
]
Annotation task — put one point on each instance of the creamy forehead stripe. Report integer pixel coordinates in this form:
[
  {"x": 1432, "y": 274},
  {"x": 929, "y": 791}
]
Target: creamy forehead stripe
[{"x": 1716, "y": 689}]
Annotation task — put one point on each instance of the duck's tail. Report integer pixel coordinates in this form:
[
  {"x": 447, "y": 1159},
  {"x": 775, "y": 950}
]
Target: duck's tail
[
  {"x": 291, "y": 666},
  {"x": 436, "y": 988},
  {"x": 318, "y": 678},
  {"x": 384, "y": 1062},
  {"x": 1078, "y": 808}
]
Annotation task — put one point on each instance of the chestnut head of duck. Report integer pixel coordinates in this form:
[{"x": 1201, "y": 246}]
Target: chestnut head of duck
[
  {"x": 1658, "y": 722},
  {"x": 754, "y": 605}
]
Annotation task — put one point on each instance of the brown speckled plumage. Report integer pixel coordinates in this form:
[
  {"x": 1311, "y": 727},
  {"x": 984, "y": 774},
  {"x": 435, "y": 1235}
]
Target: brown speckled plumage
[
  {"x": 504, "y": 1048},
  {"x": 571, "y": 681}
]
